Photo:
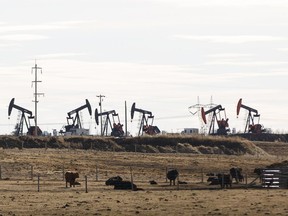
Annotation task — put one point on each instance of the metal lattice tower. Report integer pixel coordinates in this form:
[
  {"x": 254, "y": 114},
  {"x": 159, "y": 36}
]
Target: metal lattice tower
[
  {"x": 196, "y": 109},
  {"x": 36, "y": 94}
]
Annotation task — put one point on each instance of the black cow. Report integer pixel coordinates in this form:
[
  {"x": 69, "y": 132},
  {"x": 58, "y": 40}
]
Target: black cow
[
  {"x": 113, "y": 180},
  {"x": 225, "y": 180},
  {"x": 125, "y": 185},
  {"x": 259, "y": 172},
  {"x": 213, "y": 180},
  {"x": 71, "y": 177},
  {"x": 236, "y": 173},
  {"x": 172, "y": 175}
]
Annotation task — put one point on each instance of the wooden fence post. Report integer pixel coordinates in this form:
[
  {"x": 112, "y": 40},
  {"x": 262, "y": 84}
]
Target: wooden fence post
[
  {"x": 202, "y": 176},
  {"x": 31, "y": 172},
  {"x": 131, "y": 173},
  {"x": 246, "y": 178},
  {"x": 96, "y": 173},
  {"x": 38, "y": 183},
  {"x": 86, "y": 186},
  {"x": 0, "y": 172},
  {"x": 63, "y": 173},
  {"x": 166, "y": 170}
]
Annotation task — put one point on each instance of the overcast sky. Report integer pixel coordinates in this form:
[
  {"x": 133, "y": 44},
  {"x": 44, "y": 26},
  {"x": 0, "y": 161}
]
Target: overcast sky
[{"x": 161, "y": 54}]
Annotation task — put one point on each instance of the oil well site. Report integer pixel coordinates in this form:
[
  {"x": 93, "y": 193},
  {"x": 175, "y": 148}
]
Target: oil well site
[
  {"x": 211, "y": 170},
  {"x": 74, "y": 173}
]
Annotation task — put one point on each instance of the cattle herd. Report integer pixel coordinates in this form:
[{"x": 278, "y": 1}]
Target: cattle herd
[{"x": 224, "y": 180}]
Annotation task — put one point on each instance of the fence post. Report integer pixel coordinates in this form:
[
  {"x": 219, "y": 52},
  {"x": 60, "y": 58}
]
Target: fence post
[
  {"x": 38, "y": 183},
  {"x": 63, "y": 174},
  {"x": 86, "y": 188},
  {"x": 131, "y": 173},
  {"x": 96, "y": 173},
  {"x": 202, "y": 176},
  {"x": 31, "y": 172},
  {"x": 246, "y": 178},
  {"x": 166, "y": 174},
  {"x": 0, "y": 172}
]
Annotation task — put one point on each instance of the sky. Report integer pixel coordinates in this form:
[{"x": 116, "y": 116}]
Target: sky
[{"x": 164, "y": 55}]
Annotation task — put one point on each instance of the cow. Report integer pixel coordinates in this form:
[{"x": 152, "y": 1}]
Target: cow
[
  {"x": 225, "y": 180},
  {"x": 71, "y": 177},
  {"x": 113, "y": 180},
  {"x": 213, "y": 180},
  {"x": 125, "y": 185},
  {"x": 172, "y": 175},
  {"x": 259, "y": 172},
  {"x": 236, "y": 174}
]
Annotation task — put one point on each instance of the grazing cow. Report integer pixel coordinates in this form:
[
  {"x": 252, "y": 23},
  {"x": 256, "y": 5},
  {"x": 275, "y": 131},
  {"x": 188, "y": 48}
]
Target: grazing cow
[
  {"x": 125, "y": 185},
  {"x": 259, "y": 172},
  {"x": 225, "y": 180},
  {"x": 213, "y": 180},
  {"x": 113, "y": 180},
  {"x": 71, "y": 177},
  {"x": 236, "y": 174},
  {"x": 172, "y": 175}
]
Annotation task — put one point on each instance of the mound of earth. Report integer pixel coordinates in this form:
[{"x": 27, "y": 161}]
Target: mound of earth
[
  {"x": 283, "y": 164},
  {"x": 150, "y": 144},
  {"x": 267, "y": 137}
]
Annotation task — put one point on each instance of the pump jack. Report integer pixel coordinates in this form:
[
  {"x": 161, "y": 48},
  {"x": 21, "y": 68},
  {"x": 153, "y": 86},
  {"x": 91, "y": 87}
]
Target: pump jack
[
  {"x": 23, "y": 119},
  {"x": 222, "y": 124},
  {"x": 250, "y": 127},
  {"x": 116, "y": 130},
  {"x": 144, "y": 127},
  {"x": 75, "y": 128}
]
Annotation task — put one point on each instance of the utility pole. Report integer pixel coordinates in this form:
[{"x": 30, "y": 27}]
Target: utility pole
[
  {"x": 125, "y": 119},
  {"x": 36, "y": 94},
  {"x": 100, "y": 104}
]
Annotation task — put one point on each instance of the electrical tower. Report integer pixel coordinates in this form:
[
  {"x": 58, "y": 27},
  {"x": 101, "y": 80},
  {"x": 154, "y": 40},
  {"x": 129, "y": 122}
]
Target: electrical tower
[
  {"x": 196, "y": 109},
  {"x": 36, "y": 94}
]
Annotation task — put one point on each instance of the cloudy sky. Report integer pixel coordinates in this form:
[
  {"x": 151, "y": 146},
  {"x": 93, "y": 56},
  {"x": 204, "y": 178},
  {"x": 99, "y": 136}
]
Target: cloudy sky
[{"x": 161, "y": 54}]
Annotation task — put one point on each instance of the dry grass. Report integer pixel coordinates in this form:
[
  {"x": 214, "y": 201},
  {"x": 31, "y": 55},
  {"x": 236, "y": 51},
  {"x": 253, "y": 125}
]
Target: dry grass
[
  {"x": 19, "y": 195},
  {"x": 101, "y": 158}
]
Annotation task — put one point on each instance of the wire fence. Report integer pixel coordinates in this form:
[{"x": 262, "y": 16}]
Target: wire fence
[{"x": 53, "y": 178}]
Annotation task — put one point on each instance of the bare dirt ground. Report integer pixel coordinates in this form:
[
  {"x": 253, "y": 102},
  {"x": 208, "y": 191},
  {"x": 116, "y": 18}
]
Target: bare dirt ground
[{"x": 20, "y": 196}]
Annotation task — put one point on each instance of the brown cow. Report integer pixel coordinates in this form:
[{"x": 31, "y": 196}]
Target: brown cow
[{"x": 71, "y": 177}]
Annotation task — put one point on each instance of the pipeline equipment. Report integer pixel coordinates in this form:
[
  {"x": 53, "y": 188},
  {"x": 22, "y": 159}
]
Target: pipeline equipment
[
  {"x": 23, "y": 120},
  {"x": 250, "y": 126},
  {"x": 74, "y": 125},
  {"x": 222, "y": 123},
  {"x": 116, "y": 130},
  {"x": 144, "y": 125}
]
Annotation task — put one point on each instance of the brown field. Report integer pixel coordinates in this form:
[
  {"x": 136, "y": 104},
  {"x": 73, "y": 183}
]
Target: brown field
[{"x": 20, "y": 196}]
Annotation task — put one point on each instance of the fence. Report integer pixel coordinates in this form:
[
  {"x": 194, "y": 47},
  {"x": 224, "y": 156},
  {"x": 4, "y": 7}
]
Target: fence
[
  {"x": 187, "y": 179},
  {"x": 275, "y": 178}
]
